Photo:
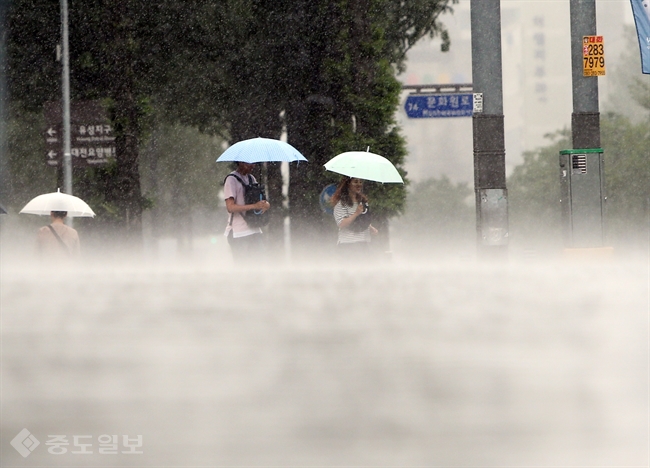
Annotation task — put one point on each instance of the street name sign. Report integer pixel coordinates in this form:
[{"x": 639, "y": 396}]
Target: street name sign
[
  {"x": 422, "y": 106},
  {"x": 92, "y": 141},
  {"x": 593, "y": 56}
]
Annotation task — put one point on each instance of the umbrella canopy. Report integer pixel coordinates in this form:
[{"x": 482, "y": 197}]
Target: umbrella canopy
[
  {"x": 259, "y": 149},
  {"x": 364, "y": 165},
  {"x": 57, "y": 201}
]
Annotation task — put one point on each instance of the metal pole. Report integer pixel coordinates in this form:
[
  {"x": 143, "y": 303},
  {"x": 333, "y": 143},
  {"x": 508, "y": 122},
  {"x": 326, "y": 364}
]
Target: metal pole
[
  {"x": 65, "y": 102},
  {"x": 4, "y": 165},
  {"x": 65, "y": 81},
  {"x": 585, "y": 119},
  {"x": 488, "y": 130}
]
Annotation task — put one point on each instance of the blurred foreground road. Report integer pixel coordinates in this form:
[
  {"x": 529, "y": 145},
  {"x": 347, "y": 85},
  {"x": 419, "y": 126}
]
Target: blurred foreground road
[{"x": 401, "y": 365}]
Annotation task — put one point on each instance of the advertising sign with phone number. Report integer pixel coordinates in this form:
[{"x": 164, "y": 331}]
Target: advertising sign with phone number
[{"x": 593, "y": 56}]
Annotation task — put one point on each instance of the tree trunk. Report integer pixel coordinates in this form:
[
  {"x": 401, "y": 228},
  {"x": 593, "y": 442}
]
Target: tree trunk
[
  {"x": 309, "y": 131},
  {"x": 127, "y": 122},
  {"x": 126, "y": 193}
]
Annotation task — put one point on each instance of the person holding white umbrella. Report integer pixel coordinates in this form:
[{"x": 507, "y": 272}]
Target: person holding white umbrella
[{"x": 58, "y": 241}]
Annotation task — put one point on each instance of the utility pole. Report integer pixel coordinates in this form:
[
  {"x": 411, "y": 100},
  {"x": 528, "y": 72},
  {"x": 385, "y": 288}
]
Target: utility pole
[
  {"x": 585, "y": 119},
  {"x": 488, "y": 131},
  {"x": 582, "y": 183}
]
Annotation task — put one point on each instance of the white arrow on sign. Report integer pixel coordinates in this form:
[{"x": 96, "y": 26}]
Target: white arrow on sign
[
  {"x": 51, "y": 131},
  {"x": 51, "y": 154}
]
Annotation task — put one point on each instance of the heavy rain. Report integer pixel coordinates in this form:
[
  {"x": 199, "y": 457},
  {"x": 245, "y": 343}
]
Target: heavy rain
[{"x": 499, "y": 316}]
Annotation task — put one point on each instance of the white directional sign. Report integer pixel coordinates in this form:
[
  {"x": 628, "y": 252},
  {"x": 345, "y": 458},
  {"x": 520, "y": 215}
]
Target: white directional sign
[{"x": 92, "y": 141}]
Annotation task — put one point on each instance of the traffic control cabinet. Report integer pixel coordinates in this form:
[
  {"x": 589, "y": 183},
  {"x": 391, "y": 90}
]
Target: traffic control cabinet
[{"x": 582, "y": 191}]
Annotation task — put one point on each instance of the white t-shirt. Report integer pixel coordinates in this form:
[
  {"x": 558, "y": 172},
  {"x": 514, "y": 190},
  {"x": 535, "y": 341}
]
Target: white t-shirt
[
  {"x": 233, "y": 189},
  {"x": 347, "y": 235}
]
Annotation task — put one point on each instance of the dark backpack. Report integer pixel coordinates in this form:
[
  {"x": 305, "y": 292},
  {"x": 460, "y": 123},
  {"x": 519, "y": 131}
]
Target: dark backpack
[{"x": 253, "y": 192}]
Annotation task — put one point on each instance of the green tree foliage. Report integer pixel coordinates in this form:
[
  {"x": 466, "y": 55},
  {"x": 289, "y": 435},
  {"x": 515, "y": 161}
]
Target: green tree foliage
[
  {"x": 328, "y": 67},
  {"x": 349, "y": 93},
  {"x": 109, "y": 60},
  {"x": 534, "y": 195},
  {"x": 627, "y": 176},
  {"x": 181, "y": 179},
  {"x": 231, "y": 68},
  {"x": 26, "y": 160}
]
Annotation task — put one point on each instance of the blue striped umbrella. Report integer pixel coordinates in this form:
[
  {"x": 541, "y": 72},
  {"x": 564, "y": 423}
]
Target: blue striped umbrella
[{"x": 259, "y": 149}]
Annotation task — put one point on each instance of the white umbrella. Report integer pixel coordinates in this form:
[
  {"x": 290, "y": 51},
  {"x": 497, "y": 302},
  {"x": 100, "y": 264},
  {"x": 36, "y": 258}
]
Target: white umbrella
[
  {"x": 364, "y": 165},
  {"x": 256, "y": 150},
  {"x": 57, "y": 201}
]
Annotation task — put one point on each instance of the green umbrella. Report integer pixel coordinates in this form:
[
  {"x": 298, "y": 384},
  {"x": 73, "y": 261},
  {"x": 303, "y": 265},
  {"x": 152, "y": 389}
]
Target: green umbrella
[{"x": 364, "y": 165}]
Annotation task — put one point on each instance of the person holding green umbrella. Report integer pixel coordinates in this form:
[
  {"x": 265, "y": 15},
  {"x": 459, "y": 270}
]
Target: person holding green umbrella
[
  {"x": 351, "y": 211},
  {"x": 352, "y": 216}
]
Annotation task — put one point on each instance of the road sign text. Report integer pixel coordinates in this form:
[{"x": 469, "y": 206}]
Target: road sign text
[{"x": 419, "y": 106}]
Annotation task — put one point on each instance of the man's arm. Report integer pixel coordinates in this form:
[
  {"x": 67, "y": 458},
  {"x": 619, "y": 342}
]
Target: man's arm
[{"x": 233, "y": 207}]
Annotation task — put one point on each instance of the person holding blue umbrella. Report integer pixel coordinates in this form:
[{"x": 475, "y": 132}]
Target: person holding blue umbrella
[
  {"x": 245, "y": 240},
  {"x": 246, "y": 216}
]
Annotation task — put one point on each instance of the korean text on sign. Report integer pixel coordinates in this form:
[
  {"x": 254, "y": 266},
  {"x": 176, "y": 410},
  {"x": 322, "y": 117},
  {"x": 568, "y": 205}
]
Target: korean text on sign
[
  {"x": 593, "y": 56},
  {"x": 439, "y": 105}
]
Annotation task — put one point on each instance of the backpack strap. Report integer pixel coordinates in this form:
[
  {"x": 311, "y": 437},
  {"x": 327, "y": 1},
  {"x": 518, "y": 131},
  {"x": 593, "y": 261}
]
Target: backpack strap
[
  {"x": 63, "y": 245},
  {"x": 239, "y": 179},
  {"x": 243, "y": 184}
]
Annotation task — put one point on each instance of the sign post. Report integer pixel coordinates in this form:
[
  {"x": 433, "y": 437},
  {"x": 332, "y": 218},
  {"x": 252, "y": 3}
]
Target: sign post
[{"x": 65, "y": 85}]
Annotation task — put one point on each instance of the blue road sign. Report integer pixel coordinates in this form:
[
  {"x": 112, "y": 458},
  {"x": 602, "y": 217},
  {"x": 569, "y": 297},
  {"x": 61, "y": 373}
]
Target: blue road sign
[{"x": 421, "y": 106}]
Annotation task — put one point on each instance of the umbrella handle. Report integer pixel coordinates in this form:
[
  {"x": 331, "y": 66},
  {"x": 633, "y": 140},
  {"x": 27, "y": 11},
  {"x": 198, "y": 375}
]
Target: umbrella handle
[{"x": 257, "y": 212}]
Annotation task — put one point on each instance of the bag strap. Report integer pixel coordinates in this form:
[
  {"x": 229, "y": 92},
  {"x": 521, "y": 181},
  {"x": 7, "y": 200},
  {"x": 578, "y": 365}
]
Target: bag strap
[
  {"x": 239, "y": 179},
  {"x": 245, "y": 187},
  {"x": 63, "y": 245},
  {"x": 243, "y": 184}
]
